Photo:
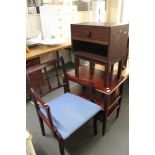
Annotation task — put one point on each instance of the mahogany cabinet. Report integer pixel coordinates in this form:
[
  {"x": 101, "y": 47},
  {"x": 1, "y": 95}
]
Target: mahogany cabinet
[
  {"x": 102, "y": 43},
  {"x": 104, "y": 39}
]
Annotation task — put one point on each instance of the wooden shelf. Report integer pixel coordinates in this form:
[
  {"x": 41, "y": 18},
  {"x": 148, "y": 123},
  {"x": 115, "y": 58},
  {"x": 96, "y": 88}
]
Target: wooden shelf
[
  {"x": 92, "y": 41},
  {"x": 90, "y": 56}
]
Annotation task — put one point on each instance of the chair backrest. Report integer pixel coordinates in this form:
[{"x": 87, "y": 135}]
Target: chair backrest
[{"x": 45, "y": 83}]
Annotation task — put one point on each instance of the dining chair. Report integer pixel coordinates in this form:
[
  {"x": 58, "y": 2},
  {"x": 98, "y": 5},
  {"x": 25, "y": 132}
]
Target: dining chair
[{"x": 67, "y": 112}]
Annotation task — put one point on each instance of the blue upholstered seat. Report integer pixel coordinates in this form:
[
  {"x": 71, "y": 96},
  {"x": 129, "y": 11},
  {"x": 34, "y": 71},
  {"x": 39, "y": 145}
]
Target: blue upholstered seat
[{"x": 69, "y": 112}]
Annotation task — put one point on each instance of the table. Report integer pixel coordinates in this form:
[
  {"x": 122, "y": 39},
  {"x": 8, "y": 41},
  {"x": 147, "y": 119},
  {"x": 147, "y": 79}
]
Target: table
[
  {"x": 29, "y": 146},
  {"x": 39, "y": 50}
]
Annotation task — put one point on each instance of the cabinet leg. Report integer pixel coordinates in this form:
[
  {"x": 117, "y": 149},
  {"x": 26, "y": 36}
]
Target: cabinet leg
[
  {"x": 111, "y": 72},
  {"x": 107, "y": 70},
  {"x": 92, "y": 67},
  {"x": 77, "y": 65},
  {"x": 119, "y": 69}
]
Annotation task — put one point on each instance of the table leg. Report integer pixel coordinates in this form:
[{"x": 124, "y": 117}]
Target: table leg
[{"x": 57, "y": 54}]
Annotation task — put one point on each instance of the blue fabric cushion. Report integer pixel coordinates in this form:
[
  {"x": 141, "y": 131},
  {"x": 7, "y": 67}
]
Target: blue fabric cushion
[{"x": 69, "y": 112}]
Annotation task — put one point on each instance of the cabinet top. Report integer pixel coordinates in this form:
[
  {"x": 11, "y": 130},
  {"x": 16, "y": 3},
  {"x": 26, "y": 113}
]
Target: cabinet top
[{"x": 100, "y": 24}]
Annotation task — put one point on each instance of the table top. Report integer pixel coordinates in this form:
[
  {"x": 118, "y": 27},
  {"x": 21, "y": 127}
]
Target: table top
[
  {"x": 98, "y": 78},
  {"x": 39, "y": 50}
]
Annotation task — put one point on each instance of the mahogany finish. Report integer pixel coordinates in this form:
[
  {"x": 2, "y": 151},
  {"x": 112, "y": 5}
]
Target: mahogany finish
[
  {"x": 102, "y": 43},
  {"x": 34, "y": 77},
  {"x": 62, "y": 80},
  {"x": 33, "y": 57},
  {"x": 98, "y": 78},
  {"x": 108, "y": 98}
]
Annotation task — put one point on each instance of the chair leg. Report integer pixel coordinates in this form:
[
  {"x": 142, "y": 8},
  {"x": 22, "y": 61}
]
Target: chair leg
[
  {"x": 118, "y": 110},
  {"x": 41, "y": 125},
  {"x": 105, "y": 114},
  {"x": 120, "y": 100},
  {"x": 61, "y": 147},
  {"x": 95, "y": 126},
  {"x": 104, "y": 122}
]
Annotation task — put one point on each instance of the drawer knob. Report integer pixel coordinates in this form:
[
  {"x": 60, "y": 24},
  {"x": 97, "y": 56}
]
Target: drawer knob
[{"x": 89, "y": 35}]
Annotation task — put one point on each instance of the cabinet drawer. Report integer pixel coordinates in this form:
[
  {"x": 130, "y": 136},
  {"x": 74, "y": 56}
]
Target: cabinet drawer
[{"x": 92, "y": 34}]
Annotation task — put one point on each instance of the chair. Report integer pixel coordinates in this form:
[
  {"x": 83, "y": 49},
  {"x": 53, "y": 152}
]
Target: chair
[
  {"x": 109, "y": 99},
  {"x": 66, "y": 113}
]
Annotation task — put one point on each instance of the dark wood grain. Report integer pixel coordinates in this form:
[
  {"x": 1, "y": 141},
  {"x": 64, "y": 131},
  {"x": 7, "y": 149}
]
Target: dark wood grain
[
  {"x": 100, "y": 43},
  {"x": 110, "y": 103},
  {"x": 38, "y": 90},
  {"x": 98, "y": 78},
  {"x": 113, "y": 35}
]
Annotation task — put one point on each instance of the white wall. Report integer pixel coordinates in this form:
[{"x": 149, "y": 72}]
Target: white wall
[{"x": 34, "y": 26}]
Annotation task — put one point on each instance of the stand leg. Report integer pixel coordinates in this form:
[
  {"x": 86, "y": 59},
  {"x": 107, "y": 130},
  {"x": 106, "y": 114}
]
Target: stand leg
[
  {"x": 107, "y": 70},
  {"x": 120, "y": 69},
  {"x": 111, "y": 72},
  {"x": 77, "y": 64},
  {"x": 92, "y": 67}
]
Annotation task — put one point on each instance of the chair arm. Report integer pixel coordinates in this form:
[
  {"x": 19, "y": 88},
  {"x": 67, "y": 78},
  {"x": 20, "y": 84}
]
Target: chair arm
[
  {"x": 78, "y": 80},
  {"x": 83, "y": 82},
  {"x": 38, "y": 99}
]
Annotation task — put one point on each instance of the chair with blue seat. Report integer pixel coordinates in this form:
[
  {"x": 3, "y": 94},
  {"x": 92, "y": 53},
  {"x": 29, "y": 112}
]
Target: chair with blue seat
[{"x": 67, "y": 112}]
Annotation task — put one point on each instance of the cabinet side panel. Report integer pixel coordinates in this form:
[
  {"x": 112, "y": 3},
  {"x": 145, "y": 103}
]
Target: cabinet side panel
[
  {"x": 125, "y": 39},
  {"x": 118, "y": 42},
  {"x": 115, "y": 52}
]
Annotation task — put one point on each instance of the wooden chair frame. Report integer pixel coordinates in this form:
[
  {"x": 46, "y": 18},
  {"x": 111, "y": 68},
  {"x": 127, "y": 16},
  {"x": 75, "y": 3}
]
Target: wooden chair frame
[{"x": 57, "y": 63}]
